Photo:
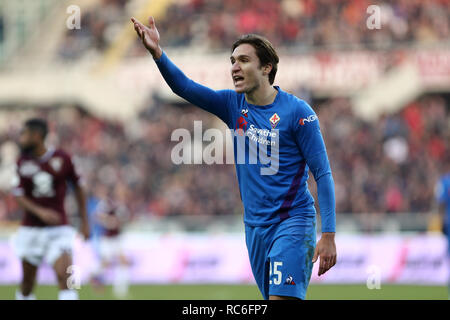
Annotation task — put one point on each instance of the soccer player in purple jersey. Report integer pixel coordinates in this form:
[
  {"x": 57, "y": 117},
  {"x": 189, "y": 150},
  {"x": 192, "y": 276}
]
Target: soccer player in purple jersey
[{"x": 279, "y": 212}]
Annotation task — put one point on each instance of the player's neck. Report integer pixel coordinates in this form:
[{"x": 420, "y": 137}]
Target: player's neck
[
  {"x": 263, "y": 95},
  {"x": 39, "y": 151}
]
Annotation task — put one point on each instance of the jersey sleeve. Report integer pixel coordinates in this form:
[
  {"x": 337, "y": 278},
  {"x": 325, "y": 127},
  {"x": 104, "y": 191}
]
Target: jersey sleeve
[
  {"x": 312, "y": 146},
  {"x": 213, "y": 101}
]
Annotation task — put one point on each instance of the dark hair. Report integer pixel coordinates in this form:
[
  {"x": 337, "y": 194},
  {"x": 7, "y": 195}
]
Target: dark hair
[
  {"x": 264, "y": 50},
  {"x": 37, "y": 125}
]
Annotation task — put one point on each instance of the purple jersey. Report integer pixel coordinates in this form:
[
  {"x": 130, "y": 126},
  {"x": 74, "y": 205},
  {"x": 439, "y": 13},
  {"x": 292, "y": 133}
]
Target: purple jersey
[{"x": 44, "y": 181}]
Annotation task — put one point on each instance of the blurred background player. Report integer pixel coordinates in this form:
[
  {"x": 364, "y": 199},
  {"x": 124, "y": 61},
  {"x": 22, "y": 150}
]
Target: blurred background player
[
  {"x": 45, "y": 232},
  {"x": 108, "y": 218},
  {"x": 94, "y": 203},
  {"x": 443, "y": 198}
]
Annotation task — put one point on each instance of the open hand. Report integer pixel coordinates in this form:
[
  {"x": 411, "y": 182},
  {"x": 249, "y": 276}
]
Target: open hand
[{"x": 149, "y": 36}]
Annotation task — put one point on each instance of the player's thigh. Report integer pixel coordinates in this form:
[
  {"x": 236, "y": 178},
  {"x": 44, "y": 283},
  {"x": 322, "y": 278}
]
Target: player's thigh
[
  {"x": 29, "y": 244},
  {"x": 291, "y": 262},
  {"x": 257, "y": 252},
  {"x": 60, "y": 246}
]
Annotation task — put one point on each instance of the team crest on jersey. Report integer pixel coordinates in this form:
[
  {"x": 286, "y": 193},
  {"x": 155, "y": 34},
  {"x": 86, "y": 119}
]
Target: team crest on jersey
[
  {"x": 274, "y": 120},
  {"x": 244, "y": 112},
  {"x": 56, "y": 164},
  {"x": 28, "y": 168}
]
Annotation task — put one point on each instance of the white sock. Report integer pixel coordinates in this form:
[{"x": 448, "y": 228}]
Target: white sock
[
  {"x": 120, "y": 285},
  {"x": 20, "y": 296},
  {"x": 68, "y": 295}
]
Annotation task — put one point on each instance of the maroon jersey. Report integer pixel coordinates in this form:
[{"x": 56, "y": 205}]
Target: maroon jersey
[
  {"x": 44, "y": 181},
  {"x": 115, "y": 209}
]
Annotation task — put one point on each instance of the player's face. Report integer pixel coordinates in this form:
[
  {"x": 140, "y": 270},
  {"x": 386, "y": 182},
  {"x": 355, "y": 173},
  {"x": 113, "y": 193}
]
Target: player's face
[
  {"x": 28, "y": 140},
  {"x": 246, "y": 71}
]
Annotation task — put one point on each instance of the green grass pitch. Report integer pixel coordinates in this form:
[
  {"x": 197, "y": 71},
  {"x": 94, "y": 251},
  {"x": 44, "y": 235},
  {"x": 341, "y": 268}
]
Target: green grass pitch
[{"x": 243, "y": 292}]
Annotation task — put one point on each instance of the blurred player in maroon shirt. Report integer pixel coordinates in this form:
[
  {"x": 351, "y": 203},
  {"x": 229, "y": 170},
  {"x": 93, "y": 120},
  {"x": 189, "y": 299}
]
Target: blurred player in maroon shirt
[
  {"x": 111, "y": 214},
  {"x": 43, "y": 175}
]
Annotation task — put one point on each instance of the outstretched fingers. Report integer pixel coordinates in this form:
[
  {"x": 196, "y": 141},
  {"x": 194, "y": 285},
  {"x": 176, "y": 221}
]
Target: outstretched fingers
[
  {"x": 136, "y": 21},
  {"x": 139, "y": 27},
  {"x": 151, "y": 22}
]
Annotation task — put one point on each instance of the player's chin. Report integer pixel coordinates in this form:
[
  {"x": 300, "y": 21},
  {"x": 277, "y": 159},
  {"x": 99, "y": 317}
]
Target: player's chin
[{"x": 239, "y": 88}]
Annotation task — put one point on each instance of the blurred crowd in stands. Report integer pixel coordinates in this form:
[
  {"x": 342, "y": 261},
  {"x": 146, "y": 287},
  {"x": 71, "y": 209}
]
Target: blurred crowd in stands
[
  {"x": 100, "y": 24},
  {"x": 392, "y": 164},
  {"x": 302, "y": 24},
  {"x": 307, "y": 23},
  {"x": 387, "y": 166}
]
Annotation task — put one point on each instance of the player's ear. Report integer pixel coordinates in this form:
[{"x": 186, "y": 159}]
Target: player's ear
[{"x": 267, "y": 69}]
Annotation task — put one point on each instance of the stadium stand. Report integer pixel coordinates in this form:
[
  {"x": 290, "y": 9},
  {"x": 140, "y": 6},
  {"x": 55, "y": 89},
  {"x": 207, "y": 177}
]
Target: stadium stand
[
  {"x": 389, "y": 165},
  {"x": 300, "y": 25}
]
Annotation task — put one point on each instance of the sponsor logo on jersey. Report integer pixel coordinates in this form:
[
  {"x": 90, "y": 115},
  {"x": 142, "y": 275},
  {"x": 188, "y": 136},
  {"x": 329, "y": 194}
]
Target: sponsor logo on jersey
[
  {"x": 244, "y": 112},
  {"x": 262, "y": 135},
  {"x": 310, "y": 118},
  {"x": 274, "y": 120},
  {"x": 289, "y": 280},
  {"x": 262, "y": 132}
]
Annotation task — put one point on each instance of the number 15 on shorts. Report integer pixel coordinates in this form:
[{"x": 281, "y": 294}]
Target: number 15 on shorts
[{"x": 275, "y": 272}]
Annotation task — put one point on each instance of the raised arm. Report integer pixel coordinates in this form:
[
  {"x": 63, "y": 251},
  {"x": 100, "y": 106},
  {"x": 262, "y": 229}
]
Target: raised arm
[{"x": 210, "y": 100}]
